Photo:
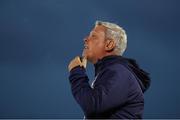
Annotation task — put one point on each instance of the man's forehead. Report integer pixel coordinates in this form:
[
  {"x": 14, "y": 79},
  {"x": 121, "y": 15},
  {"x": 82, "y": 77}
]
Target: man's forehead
[{"x": 98, "y": 29}]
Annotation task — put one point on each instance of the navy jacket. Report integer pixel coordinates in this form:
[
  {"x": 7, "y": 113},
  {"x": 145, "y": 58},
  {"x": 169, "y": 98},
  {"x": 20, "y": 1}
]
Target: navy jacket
[{"x": 117, "y": 91}]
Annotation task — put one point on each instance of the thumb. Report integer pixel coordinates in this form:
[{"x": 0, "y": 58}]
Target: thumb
[{"x": 84, "y": 62}]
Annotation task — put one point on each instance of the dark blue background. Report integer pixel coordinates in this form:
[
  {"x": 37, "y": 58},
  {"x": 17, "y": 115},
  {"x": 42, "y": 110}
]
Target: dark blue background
[{"x": 38, "y": 38}]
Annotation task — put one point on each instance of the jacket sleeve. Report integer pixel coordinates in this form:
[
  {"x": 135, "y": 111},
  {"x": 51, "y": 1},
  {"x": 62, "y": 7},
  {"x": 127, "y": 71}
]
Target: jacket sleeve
[{"x": 110, "y": 92}]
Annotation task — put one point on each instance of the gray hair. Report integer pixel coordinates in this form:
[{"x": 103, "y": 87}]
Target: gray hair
[{"x": 116, "y": 33}]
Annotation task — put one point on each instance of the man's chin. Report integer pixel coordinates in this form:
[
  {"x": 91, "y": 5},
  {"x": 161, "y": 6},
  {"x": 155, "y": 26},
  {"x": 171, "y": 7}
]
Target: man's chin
[{"x": 87, "y": 56}]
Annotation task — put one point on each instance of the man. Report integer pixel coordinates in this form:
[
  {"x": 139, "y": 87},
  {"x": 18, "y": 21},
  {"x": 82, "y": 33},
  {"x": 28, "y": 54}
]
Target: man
[{"x": 117, "y": 91}]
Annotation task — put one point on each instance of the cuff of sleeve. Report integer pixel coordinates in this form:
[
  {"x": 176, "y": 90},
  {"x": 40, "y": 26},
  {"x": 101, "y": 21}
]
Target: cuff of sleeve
[
  {"x": 78, "y": 70},
  {"x": 77, "y": 73}
]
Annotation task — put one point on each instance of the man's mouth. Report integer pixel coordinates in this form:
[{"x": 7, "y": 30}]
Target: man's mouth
[{"x": 86, "y": 47}]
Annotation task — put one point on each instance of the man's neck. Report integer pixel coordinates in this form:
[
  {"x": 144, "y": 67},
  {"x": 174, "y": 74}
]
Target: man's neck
[{"x": 107, "y": 54}]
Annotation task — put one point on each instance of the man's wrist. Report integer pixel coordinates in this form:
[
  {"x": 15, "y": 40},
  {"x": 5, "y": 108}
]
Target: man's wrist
[{"x": 77, "y": 69}]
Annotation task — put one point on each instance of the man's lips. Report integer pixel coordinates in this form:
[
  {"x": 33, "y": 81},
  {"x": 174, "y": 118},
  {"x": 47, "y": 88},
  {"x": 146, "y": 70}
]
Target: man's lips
[{"x": 86, "y": 47}]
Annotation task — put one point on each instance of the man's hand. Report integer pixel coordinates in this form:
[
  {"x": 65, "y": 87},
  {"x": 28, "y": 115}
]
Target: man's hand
[{"x": 77, "y": 62}]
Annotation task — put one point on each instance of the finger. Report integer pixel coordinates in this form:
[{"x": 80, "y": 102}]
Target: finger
[
  {"x": 69, "y": 66},
  {"x": 84, "y": 62},
  {"x": 84, "y": 55},
  {"x": 79, "y": 60},
  {"x": 74, "y": 63}
]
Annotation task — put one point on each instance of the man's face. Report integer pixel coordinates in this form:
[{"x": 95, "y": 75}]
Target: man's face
[{"x": 94, "y": 44}]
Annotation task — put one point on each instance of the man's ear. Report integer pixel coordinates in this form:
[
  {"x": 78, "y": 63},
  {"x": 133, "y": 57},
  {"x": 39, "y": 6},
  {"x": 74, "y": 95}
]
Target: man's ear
[{"x": 110, "y": 45}]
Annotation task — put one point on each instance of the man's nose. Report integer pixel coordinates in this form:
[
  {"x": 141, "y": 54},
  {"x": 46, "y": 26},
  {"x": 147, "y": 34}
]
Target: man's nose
[{"x": 85, "y": 39}]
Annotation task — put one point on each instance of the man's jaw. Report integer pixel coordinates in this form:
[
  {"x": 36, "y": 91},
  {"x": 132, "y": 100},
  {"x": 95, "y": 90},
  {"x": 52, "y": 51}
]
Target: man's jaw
[{"x": 85, "y": 50}]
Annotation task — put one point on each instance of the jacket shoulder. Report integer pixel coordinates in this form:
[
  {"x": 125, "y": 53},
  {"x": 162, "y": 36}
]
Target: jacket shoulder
[{"x": 117, "y": 73}]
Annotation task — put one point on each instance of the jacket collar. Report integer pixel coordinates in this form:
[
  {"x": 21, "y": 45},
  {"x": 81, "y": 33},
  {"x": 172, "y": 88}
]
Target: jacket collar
[{"x": 106, "y": 61}]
